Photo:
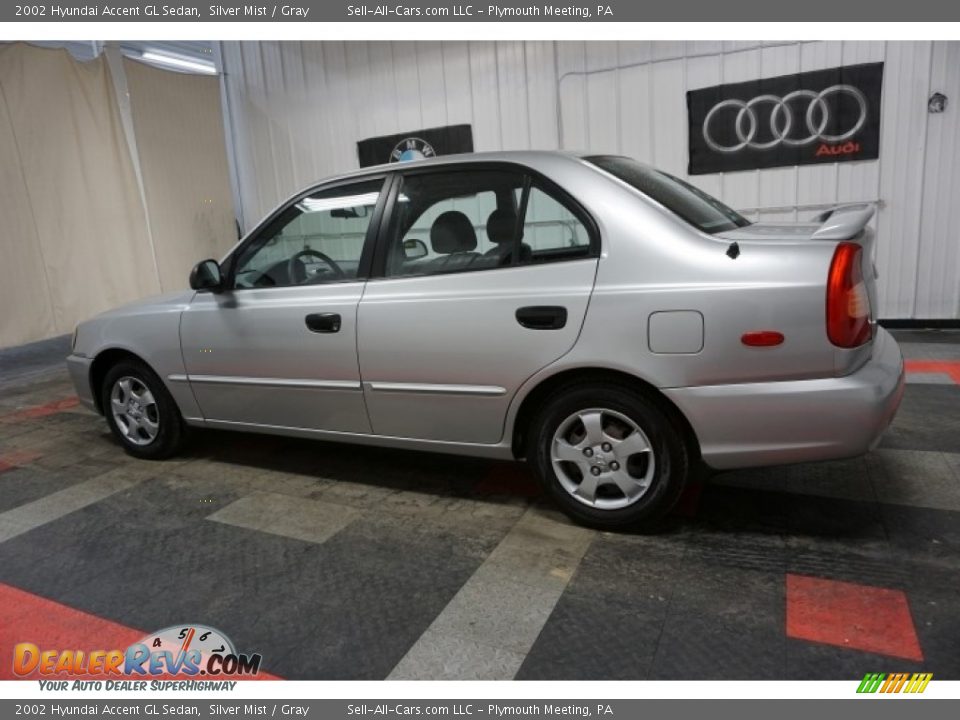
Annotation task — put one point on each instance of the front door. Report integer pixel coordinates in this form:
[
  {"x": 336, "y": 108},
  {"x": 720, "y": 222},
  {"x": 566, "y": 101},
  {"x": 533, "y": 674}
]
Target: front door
[
  {"x": 497, "y": 290},
  {"x": 278, "y": 347}
]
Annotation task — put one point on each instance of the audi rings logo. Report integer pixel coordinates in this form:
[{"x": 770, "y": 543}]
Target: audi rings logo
[
  {"x": 783, "y": 116},
  {"x": 820, "y": 116}
]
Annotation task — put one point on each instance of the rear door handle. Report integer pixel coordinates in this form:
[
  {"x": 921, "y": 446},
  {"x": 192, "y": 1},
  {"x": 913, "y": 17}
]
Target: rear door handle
[
  {"x": 542, "y": 317},
  {"x": 323, "y": 322}
]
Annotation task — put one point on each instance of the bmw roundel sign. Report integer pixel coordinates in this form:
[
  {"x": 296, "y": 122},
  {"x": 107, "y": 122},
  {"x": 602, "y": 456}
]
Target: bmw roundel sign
[{"x": 415, "y": 145}]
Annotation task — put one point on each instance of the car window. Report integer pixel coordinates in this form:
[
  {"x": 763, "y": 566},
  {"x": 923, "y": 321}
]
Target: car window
[
  {"x": 692, "y": 204},
  {"x": 440, "y": 221},
  {"x": 469, "y": 220},
  {"x": 318, "y": 239},
  {"x": 551, "y": 231}
]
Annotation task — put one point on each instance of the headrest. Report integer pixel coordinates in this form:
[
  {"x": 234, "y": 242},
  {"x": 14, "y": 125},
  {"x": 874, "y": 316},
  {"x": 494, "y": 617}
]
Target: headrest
[
  {"x": 453, "y": 232},
  {"x": 500, "y": 225}
]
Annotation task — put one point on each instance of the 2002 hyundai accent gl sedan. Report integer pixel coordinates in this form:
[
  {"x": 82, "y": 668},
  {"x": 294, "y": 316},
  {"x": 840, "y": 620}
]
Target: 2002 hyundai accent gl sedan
[{"x": 610, "y": 323}]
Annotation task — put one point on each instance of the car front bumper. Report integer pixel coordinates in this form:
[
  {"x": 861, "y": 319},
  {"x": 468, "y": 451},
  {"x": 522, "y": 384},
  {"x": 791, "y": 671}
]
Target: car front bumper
[
  {"x": 79, "y": 368},
  {"x": 773, "y": 423}
]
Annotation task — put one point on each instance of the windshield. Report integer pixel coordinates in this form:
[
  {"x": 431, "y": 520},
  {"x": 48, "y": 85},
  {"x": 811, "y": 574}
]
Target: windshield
[{"x": 704, "y": 212}]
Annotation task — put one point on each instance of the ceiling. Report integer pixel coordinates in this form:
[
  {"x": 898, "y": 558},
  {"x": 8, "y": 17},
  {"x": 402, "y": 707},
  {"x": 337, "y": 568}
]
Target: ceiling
[{"x": 199, "y": 51}]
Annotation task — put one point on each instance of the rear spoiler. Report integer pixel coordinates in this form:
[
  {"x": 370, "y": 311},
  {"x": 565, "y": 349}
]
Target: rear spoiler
[{"x": 843, "y": 222}]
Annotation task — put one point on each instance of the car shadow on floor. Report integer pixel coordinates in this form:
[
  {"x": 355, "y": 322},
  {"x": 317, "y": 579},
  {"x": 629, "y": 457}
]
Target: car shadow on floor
[
  {"x": 715, "y": 516},
  {"x": 443, "y": 475}
]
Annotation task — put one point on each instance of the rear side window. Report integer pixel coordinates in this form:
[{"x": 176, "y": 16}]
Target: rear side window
[
  {"x": 696, "y": 207},
  {"x": 440, "y": 221},
  {"x": 551, "y": 229},
  {"x": 465, "y": 220}
]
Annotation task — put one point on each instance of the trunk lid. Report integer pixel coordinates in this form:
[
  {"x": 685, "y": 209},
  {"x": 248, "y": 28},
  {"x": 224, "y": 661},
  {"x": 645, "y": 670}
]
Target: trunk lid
[
  {"x": 842, "y": 223},
  {"x": 836, "y": 224}
]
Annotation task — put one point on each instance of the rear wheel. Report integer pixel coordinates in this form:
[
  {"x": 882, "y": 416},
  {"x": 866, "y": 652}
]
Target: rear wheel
[
  {"x": 140, "y": 412},
  {"x": 609, "y": 455}
]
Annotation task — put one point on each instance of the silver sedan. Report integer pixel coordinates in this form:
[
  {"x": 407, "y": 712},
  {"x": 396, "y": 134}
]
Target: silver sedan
[{"x": 612, "y": 325}]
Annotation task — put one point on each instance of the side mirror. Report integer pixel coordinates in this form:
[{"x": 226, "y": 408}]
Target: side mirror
[
  {"x": 206, "y": 276},
  {"x": 414, "y": 249}
]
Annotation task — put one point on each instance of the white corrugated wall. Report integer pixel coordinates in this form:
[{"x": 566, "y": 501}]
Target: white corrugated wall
[{"x": 296, "y": 111}]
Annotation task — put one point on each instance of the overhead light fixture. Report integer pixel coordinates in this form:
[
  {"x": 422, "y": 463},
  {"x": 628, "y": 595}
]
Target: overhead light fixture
[
  {"x": 338, "y": 203},
  {"x": 180, "y": 62}
]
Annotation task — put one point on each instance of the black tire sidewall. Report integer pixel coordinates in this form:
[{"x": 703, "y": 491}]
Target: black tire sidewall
[
  {"x": 670, "y": 452},
  {"x": 171, "y": 425}
]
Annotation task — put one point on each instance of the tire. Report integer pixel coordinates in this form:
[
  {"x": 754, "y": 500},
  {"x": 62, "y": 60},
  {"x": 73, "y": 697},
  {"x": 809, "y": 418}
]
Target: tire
[
  {"x": 158, "y": 430},
  {"x": 655, "y": 477}
]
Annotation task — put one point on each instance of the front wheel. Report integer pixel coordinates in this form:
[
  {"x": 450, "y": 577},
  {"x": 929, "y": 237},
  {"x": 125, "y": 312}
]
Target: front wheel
[
  {"x": 609, "y": 455},
  {"x": 140, "y": 411}
]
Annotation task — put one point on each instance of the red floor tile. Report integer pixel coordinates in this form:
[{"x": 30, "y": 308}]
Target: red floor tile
[
  {"x": 847, "y": 615},
  {"x": 947, "y": 367},
  {"x": 39, "y": 411},
  {"x": 16, "y": 459}
]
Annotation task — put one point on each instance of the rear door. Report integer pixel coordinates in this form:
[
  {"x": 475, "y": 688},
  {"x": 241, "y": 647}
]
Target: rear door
[{"x": 446, "y": 338}]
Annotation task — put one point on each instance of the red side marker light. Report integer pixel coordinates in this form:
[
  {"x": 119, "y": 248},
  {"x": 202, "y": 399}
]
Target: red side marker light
[{"x": 762, "y": 338}]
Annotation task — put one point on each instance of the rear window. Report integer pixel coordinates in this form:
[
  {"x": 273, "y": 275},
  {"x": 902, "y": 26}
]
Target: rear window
[{"x": 701, "y": 210}]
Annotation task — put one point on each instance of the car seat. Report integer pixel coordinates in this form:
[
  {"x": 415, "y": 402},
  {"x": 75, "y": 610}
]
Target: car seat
[
  {"x": 453, "y": 238},
  {"x": 500, "y": 228}
]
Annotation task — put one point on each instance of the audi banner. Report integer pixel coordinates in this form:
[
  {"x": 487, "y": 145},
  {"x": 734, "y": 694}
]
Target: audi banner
[{"x": 813, "y": 117}]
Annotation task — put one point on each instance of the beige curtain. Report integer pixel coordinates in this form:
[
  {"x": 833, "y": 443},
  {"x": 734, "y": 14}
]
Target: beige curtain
[
  {"x": 82, "y": 229},
  {"x": 25, "y": 306},
  {"x": 178, "y": 125},
  {"x": 74, "y": 237}
]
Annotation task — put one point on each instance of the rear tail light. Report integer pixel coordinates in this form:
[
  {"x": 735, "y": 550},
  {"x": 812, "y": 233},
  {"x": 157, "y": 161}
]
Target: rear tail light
[{"x": 848, "y": 304}]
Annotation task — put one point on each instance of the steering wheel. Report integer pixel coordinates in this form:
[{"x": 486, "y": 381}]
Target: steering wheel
[{"x": 297, "y": 273}]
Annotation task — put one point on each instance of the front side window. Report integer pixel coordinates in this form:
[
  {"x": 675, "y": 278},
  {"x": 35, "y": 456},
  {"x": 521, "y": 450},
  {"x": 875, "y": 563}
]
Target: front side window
[
  {"x": 318, "y": 239},
  {"x": 468, "y": 220},
  {"x": 692, "y": 204}
]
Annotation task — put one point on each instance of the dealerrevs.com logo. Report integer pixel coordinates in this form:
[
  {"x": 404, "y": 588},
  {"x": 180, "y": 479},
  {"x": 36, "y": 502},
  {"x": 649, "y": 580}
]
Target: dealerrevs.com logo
[{"x": 188, "y": 651}]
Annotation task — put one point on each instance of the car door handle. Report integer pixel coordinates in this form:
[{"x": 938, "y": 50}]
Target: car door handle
[
  {"x": 323, "y": 322},
  {"x": 542, "y": 317}
]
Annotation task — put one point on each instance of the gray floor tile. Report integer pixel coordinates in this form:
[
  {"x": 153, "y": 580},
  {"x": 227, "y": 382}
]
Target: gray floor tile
[
  {"x": 297, "y": 518},
  {"x": 921, "y": 478},
  {"x": 51, "y": 507},
  {"x": 929, "y": 378},
  {"x": 437, "y": 656},
  {"x": 506, "y": 602},
  {"x": 847, "y": 479}
]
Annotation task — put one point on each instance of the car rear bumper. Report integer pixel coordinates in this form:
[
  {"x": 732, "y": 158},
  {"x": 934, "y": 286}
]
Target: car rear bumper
[
  {"x": 773, "y": 423},
  {"x": 79, "y": 368}
]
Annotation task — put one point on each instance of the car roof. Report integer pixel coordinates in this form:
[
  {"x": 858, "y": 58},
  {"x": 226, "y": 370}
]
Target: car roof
[{"x": 523, "y": 157}]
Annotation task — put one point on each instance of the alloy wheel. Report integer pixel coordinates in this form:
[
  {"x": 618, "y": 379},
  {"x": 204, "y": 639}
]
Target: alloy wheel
[
  {"x": 602, "y": 458},
  {"x": 135, "y": 410}
]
